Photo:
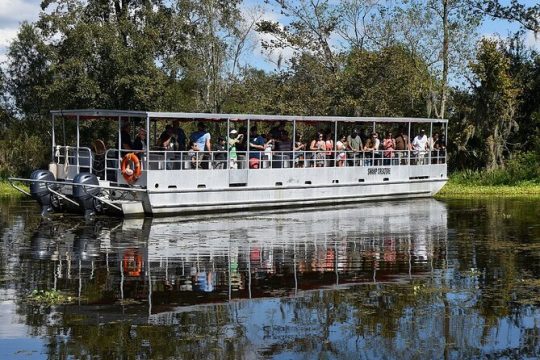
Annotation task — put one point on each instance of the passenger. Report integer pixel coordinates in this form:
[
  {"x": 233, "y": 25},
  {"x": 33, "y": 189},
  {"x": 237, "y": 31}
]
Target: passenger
[
  {"x": 277, "y": 130},
  {"x": 300, "y": 154},
  {"x": 268, "y": 148},
  {"x": 341, "y": 147},
  {"x": 419, "y": 146},
  {"x": 254, "y": 163},
  {"x": 241, "y": 148},
  {"x": 369, "y": 149},
  {"x": 283, "y": 149},
  {"x": 180, "y": 136},
  {"x": 378, "y": 147},
  {"x": 256, "y": 143},
  {"x": 193, "y": 155},
  {"x": 431, "y": 146},
  {"x": 389, "y": 145},
  {"x": 140, "y": 143},
  {"x": 440, "y": 147},
  {"x": 166, "y": 139},
  {"x": 125, "y": 137},
  {"x": 166, "y": 142},
  {"x": 354, "y": 144},
  {"x": 329, "y": 145},
  {"x": 318, "y": 147},
  {"x": 202, "y": 138},
  {"x": 402, "y": 146},
  {"x": 234, "y": 140},
  {"x": 220, "y": 154}
]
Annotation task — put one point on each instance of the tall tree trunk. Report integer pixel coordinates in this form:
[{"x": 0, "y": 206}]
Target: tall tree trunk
[{"x": 445, "y": 59}]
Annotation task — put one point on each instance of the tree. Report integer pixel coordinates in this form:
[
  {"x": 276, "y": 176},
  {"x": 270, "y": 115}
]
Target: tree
[
  {"x": 496, "y": 101},
  {"x": 527, "y": 16},
  {"x": 385, "y": 83},
  {"x": 310, "y": 30}
]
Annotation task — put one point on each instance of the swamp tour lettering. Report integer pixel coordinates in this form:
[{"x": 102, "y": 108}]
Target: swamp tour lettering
[{"x": 379, "y": 171}]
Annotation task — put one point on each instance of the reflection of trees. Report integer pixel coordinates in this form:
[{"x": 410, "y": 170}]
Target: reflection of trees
[{"x": 451, "y": 297}]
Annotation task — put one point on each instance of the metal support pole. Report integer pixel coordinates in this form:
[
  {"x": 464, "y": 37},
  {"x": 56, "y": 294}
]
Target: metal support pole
[
  {"x": 293, "y": 141},
  {"x": 431, "y": 136},
  {"x": 119, "y": 138},
  {"x": 146, "y": 155},
  {"x": 409, "y": 146},
  {"x": 78, "y": 139},
  {"x": 53, "y": 139},
  {"x": 248, "y": 142},
  {"x": 335, "y": 142},
  {"x": 227, "y": 137}
]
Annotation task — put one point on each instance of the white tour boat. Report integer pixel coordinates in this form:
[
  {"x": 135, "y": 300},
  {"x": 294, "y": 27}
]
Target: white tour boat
[{"x": 97, "y": 168}]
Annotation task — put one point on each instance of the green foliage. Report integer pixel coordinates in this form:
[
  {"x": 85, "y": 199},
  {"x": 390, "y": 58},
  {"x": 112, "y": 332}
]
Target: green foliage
[
  {"x": 385, "y": 83},
  {"x": 23, "y": 148},
  {"x": 49, "y": 297},
  {"x": 522, "y": 169}
]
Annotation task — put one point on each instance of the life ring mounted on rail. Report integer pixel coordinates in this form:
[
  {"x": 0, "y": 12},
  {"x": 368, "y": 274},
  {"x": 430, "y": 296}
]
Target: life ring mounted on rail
[{"x": 129, "y": 174}]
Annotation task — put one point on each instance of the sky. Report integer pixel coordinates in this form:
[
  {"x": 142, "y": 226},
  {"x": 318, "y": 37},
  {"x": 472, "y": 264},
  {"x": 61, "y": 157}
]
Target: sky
[{"x": 14, "y": 12}]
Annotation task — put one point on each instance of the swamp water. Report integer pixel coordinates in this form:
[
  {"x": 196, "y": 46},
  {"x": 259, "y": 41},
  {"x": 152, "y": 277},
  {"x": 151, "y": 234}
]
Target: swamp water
[{"x": 418, "y": 279}]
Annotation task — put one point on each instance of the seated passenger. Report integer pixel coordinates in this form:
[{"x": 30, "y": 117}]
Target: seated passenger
[
  {"x": 254, "y": 163},
  {"x": 193, "y": 155},
  {"x": 220, "y": 154}
]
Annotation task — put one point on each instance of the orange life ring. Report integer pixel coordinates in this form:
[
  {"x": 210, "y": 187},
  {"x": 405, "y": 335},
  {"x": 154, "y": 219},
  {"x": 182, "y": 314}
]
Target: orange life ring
[
  {"x": 131, "y": 175},
  {"x": 132, "y": 263}
]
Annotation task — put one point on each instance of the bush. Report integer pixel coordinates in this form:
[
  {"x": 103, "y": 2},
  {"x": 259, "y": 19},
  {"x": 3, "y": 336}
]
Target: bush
[
  {"x": 21, "y": 152},
  {"x": 522, "y": 168}
]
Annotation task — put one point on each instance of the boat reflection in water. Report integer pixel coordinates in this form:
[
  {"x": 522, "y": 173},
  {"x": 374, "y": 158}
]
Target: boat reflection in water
[
  {"x": 380, "y": 280},
  {"x": 186, "y": 261}
]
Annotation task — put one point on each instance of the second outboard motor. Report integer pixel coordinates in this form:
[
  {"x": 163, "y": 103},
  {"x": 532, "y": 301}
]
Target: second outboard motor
[
  {"x": 40, "y": 190},
  {"x": 85, "y": 195}
]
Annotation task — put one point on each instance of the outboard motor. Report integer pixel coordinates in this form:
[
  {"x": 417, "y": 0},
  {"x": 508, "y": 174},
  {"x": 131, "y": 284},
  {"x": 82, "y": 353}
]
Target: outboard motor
[
  {"x": 85, "y": 195},
  {"x": 40, "y": 191}
]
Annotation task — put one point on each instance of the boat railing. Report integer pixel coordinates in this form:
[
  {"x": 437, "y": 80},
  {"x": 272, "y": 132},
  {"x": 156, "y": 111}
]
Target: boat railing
[
  {"x": 72, "y": 160},
  {"x": 190, "y": 160}
]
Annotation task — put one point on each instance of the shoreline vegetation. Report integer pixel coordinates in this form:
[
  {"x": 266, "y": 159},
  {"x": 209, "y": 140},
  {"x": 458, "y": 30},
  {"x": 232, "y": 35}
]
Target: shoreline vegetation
[
  {"x": 454, "y": 190},
  {"x": 8, "y": 191}
]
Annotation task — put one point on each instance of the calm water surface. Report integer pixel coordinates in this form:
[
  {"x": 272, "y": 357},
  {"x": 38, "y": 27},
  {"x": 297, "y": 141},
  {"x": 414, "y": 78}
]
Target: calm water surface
[{"x": 418, "y": 279}]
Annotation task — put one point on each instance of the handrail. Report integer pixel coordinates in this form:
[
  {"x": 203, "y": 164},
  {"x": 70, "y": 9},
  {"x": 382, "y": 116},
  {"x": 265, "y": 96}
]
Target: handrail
[
  {"x": 63, "y": 153},
  {"x": 156, "y": 160},
  {"x": 65, "y": 183}
]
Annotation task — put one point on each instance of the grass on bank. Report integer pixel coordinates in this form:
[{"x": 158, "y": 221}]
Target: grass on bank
[
  {"x": 8, "y": 191},
  {"x": 453, "y": 189}
]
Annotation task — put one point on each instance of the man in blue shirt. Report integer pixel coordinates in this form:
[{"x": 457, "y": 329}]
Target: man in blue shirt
[
  {"x": 202, "y": 138},
  {"x": 256, "y": 144}
]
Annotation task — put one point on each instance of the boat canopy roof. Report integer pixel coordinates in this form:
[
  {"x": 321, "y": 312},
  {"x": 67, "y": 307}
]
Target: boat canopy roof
[{"x": 122, "y": 114}]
